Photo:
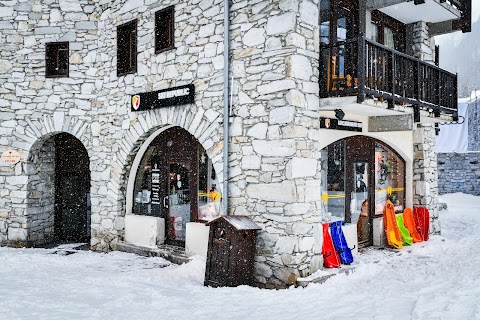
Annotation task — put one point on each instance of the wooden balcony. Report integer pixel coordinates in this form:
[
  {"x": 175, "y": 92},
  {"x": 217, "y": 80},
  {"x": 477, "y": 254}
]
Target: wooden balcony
[{"x": 366, "y": 69}]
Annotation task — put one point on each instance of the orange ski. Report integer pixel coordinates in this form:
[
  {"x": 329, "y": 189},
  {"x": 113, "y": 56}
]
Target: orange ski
[
  {"x": 394, "y": 237},
  {"x": 410, "y": 225}
]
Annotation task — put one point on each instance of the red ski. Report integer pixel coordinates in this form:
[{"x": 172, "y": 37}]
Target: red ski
[
  {"x": 331, "y": 259},
  {"x": 422, "y": 221}
]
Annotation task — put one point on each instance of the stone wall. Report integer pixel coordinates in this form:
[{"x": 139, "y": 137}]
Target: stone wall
[
  {"x": 422, "y": 45},
  {"x": 474, "y": 125},
  {"x": 459, "y": 172},
  {"x": 41, "y": 192},
  {"x": 33, "y": 108},
  {"x": 425, "y": 178},
  {"x": 197, "y": 58},
  {"x": 275, "y": 167}
]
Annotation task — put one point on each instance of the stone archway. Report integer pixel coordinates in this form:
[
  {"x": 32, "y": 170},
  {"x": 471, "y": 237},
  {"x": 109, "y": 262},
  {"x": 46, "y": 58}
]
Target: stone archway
[
  {"x": 30, "y": 202},
  {"x": 58, "y": 190},
  {"x": 202, "y": 124}
]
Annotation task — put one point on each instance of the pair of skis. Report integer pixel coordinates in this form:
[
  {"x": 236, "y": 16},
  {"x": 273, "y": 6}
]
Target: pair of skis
[{"x": 335, "y": 249}]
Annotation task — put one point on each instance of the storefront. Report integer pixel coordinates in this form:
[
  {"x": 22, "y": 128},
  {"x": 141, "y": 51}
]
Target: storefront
[
  {"x": 175, "y": 181},
  {"x": 360, "y": 174}
]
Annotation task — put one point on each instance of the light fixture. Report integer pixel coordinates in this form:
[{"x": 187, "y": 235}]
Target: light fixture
[{"x": 339, "y": 114}]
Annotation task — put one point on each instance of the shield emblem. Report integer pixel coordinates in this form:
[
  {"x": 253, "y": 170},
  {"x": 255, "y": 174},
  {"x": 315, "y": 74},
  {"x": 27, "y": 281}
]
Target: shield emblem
[
  {"x": 136, "y": 102},
  {"x": 327, "y": 123}
]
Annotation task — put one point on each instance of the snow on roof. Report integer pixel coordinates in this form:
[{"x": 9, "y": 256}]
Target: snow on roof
[{"x": 239, "y": 222}]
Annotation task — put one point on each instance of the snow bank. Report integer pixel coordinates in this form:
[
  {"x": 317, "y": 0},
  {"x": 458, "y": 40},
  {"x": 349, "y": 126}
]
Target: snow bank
[{"x": 436, "y": 279}]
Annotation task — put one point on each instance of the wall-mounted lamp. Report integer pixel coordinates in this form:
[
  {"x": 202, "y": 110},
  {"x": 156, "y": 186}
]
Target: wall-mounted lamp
[{"x": 339, "y": 114}]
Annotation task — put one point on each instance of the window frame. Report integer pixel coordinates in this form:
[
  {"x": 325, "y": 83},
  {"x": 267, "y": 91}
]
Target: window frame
[
  {"x": 53, "y": 48},
  {"x": 382, "y": 21},
  {"x": 129, "y": 55},
  {"x": 169, "y": 24}
]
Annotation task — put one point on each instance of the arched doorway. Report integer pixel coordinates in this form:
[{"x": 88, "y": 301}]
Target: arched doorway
[
  {"x": 174, "y": 181},
  {"x": 359, "y": 174},
  {"x": 72, "y": 190}
]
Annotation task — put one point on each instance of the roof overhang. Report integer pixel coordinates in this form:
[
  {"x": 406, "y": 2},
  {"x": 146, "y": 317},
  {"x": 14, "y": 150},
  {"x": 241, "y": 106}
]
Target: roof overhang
[{"x": 432, "y": 11}]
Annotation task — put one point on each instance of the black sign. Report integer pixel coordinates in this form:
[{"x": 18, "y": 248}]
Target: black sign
[
  {"x": 163, "y": 98},
  {"x": 327, "y": 123},
  {"x": 155, "y": 195}
]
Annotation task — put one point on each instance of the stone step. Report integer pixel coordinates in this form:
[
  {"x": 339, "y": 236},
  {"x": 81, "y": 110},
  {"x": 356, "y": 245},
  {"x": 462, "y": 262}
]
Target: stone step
[{"x": 173, "y": 254}]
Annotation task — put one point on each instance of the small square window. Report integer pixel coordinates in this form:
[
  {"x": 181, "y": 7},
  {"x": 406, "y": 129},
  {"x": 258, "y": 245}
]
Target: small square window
[
  {"x": 56, "y": 59},
  {"x": 127, "y": 48},
  {"x": 164, "y": 29}
]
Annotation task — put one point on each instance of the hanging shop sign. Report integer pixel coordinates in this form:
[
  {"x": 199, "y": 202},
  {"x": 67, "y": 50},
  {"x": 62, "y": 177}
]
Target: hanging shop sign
[
  {"x": 10, "y": 157},
  {"x": 335, "y": 124},
  {"x": 155, "y": 181},
  {"x": 163, "y": 98}
]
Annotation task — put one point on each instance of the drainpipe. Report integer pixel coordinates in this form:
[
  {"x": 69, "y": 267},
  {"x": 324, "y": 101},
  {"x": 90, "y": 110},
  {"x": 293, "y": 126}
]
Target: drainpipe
[{"x": 226, "y": 68}]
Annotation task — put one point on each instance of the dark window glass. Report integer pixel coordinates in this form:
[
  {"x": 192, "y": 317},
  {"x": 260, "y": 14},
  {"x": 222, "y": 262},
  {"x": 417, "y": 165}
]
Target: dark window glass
[
  {"x": 127, "y": 48},
  {"x": 388, "y": 31},
  {"x": 56, "y": 59},
  {"x": 164, "y": 29}
]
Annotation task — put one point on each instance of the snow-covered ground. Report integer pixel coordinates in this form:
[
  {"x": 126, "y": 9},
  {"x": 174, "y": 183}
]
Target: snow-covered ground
[{"x": 439, "y": 279}]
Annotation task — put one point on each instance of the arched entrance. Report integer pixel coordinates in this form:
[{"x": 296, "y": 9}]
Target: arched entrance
[
  {"x": 174, "y": 181},
  {"x": 72, "y": 189},
  {"x": 359, "y": 174}
]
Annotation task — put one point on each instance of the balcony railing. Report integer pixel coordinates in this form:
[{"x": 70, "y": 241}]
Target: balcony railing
[{"x": 368, "y": 69}]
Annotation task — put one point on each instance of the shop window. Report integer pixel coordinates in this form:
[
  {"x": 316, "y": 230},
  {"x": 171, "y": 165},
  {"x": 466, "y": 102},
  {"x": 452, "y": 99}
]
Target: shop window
[
  {"x": 353, "y": 173},
  {"x": 56, "y": 59},
  {"x": 389, "y": 179},
  {"x": 127, "y": 48},
  {"x": 164, "y": 29},
  {"x": 176, "y": 180},
  {"x": 333, "y": 170}
]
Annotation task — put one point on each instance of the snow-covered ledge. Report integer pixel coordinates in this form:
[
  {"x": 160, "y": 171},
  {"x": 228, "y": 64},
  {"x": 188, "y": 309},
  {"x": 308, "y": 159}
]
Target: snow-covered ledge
[
  {"x": 144, "y": 230},
  {"x": 196, "y": 242}
]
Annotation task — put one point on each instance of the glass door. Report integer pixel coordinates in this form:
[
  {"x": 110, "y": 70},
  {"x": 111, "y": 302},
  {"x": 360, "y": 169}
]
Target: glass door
[
  {"x": 178, "y": 202},
  {"x": 359, "y": 202},
  {"x": 359, "y": 181}
]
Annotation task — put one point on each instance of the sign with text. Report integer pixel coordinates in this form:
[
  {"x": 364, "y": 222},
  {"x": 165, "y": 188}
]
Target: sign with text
[
  {"x": 163, "y": 98},
  {"x": 155, "y": 195},
  {"x": 327, "y": 123},
  {"x": 10, "y": 157}
]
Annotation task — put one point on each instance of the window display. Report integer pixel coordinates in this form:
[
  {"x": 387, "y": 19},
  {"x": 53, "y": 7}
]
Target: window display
[
  {"x": 176, "y": 181},
  {"x": 333, "y": 186},
  {"x": 346, "y": 181},
  {"x": 389, "y": 179}
]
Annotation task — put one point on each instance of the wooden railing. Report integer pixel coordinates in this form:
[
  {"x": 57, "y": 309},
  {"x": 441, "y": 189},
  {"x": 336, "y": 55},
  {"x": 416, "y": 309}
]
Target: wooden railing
[{"x": 365, "y": 68}]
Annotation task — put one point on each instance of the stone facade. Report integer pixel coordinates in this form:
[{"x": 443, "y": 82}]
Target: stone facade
[
  {"x": 425, "y": 176},
  {"x": 423, "y": 45},
  {"x": 275, "y": 71},
  {"x": 459, "y": 172},
  {"x": 275, "y": 136}
]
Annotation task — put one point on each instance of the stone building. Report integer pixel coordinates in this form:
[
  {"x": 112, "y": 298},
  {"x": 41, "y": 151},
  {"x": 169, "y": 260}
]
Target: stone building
[
  {"x": 117, "y": 109},
  {"x": 459, "y": 163}
]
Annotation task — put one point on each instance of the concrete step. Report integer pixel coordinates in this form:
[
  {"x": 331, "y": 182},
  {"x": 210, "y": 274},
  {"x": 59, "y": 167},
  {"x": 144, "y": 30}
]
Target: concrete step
[{"x": 173, "y": 254}]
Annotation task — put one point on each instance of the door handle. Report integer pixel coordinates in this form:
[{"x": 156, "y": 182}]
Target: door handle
[{"x": 165, "y": 202}]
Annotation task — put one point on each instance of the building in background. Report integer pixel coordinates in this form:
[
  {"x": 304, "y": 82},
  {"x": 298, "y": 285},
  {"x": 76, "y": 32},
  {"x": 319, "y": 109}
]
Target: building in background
[
  {"x": 116, "y": 109},
  {"x": 458, "y": 150}
]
